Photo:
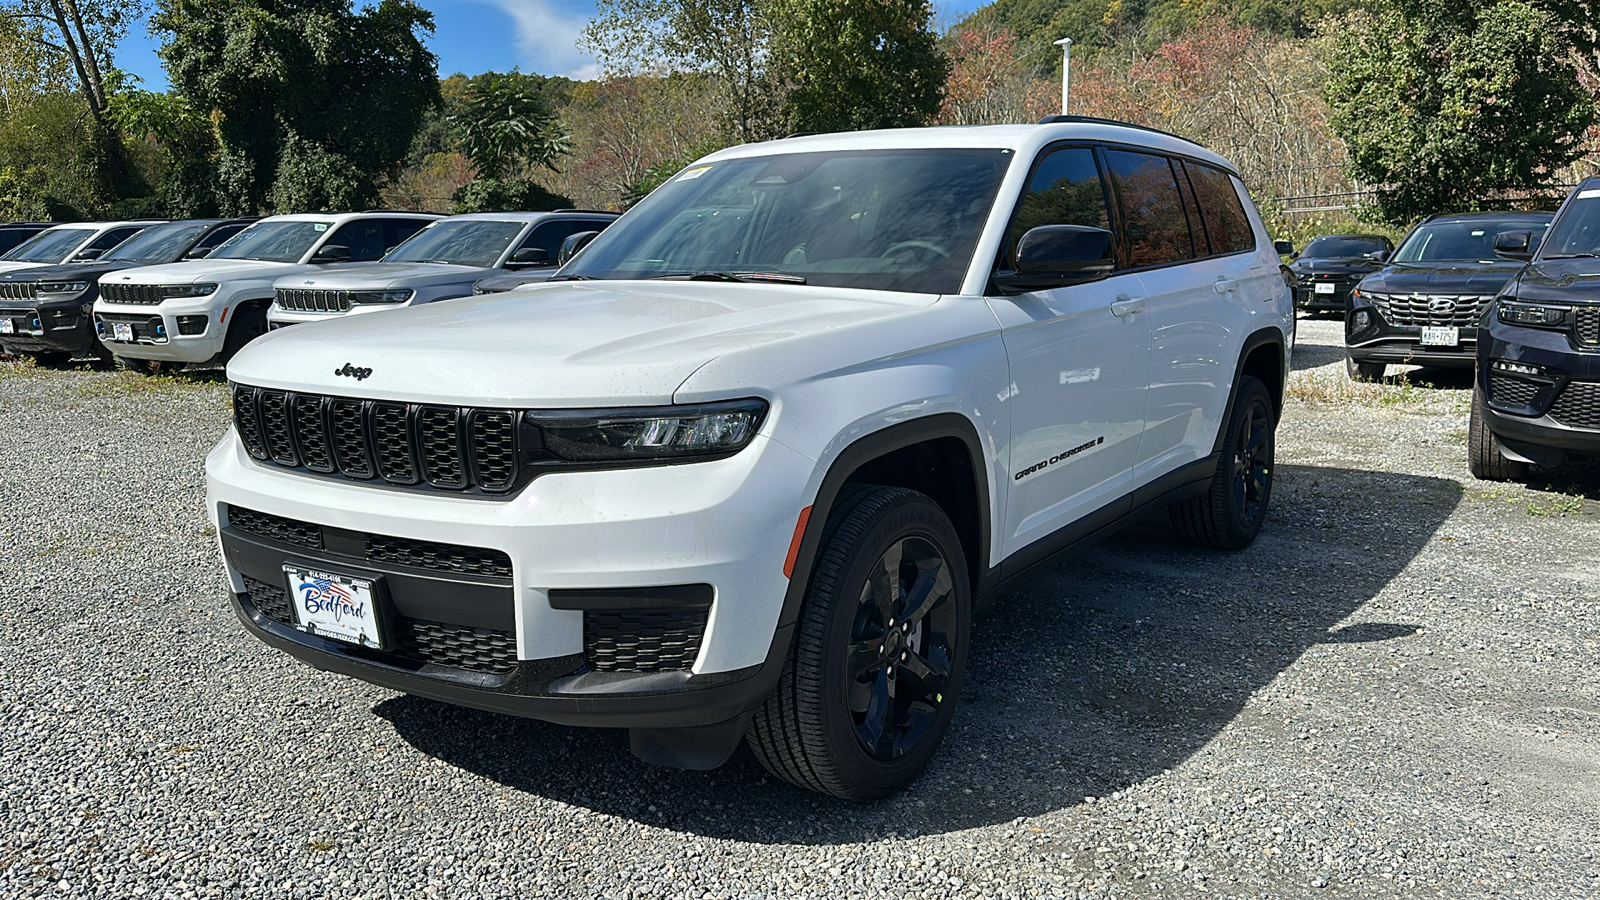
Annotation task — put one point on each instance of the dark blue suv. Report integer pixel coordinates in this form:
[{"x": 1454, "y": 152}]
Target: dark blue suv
[{"x": 1536, "y": 396}]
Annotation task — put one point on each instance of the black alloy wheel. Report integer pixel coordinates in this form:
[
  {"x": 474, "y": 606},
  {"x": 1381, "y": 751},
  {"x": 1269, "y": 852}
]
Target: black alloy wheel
[{"x": 1230, "y": 514}]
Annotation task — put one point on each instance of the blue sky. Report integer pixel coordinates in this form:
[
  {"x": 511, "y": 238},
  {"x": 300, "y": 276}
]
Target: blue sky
[{"x": 475, "y": 36}]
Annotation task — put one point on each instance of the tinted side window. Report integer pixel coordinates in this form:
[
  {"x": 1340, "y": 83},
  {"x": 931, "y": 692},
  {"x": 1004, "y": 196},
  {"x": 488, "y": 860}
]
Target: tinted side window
[
  {"x": 1225, "y": 217},
  {"x": 1155, "y": 228},
  {"x": 112, "y": 238},
  {"x": 218, "y": 235},
  {"x": 397, "y": 230},
  {"x": 547, "y": 236},
  {"x": 1065, "y": 190},
  {"x": 364, "y": 237},
  {"x": 1191, "y": 209}
]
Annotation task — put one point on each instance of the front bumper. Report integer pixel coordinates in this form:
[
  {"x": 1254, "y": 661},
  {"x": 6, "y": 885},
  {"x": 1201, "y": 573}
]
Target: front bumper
[
  {"x": 1369, "y": 337},
  {"x": 1307, "y": 298},
  {"x": 1540, "y": 417},
  {"x": 45, "y": 327},
  {"x": 581, "y": 550},
  {"x": 174, "y": 330}
]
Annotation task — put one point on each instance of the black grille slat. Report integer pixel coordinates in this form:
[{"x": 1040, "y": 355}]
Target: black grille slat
[
  {"x": 312, "y": 434},
  {"x": 437, "y": 556},
  {"x": 656, "y": 640},
  {"x": 277, "y": 528},
  {"x": 1588, "y": 324},
  {"x": 271, "y": 600},
  {"x": 1578, "y": 405},
  {"x": 246, "y": 423},
  {"x": 1507, "y": 391},
  {"x": 276, "y": 430},
  {"x": 392, "y": 443},
  {"x": 347, "y": 423},
  {"x": 439, "y": 443},
  {"x": 494, "y": 449}
]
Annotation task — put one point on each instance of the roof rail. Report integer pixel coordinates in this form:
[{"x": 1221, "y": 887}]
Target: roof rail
[
  {"x": 603, "y": 212},
  {"x": 1096, "y": 120},
  {"x": 802, "y": 134}
]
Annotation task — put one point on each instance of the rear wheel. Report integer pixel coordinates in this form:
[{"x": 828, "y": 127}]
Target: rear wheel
[
  {"x": 1483, "y": 449},
  {"x": 1365, "y": 371},
  {"x": 872, "y": 677},
  {"x": 1230, "y": 514}
]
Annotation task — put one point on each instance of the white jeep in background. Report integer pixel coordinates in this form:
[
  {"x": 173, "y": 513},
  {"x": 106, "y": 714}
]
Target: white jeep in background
[
  {"x": 78, "y": 242},
  {"x": 202, "y": 310},
  {"x": 440, "y": 262},
  {"x": 743, "y": 467}
]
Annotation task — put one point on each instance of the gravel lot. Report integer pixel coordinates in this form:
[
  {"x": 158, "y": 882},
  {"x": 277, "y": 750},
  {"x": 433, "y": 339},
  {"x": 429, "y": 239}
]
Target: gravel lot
[{"x": 1394, "y": 693}]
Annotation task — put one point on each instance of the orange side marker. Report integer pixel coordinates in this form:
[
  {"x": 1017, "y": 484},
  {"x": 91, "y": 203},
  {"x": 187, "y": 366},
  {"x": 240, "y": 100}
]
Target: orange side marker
[{"x": 794, "y": 545}]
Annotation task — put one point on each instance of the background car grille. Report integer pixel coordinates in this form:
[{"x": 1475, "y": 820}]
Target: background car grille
[
  {"x": 1578, "y": 406},
  {"x": 1416, "y": 309},
  {"x": 18, "y": 290},
  {"x": 407, "y": 444},
  {"x": 380, "y": 548},
  {"x": 134, "y": 294},
  {"x": 304, "y": 300},
  {"x": 1588, "y": 324},
  {"x": 145, "y": 328},
  {"x": 1507, "y": 391},
  {"x": 642, "y": 640},
  {"x": 435, "y": 643}
]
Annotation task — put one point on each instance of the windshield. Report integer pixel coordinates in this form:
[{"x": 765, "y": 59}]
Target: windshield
[
  {"x": 51, "y": 246},
  {"x": 904, "y": 220},
  {"x": 161, "y": 243},
  {"x": 1469, "y": 241},
  {"x": 1343, "y": 246},
  {"x": 470, "y": 243},
  {"x": 282, "y": 242},
  {"x": 1577, "y": 232}
]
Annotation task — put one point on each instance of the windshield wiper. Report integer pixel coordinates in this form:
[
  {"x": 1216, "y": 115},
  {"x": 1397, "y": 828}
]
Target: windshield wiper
[
  {"x": 744, "y": 277},
  {"x": 573, "y": 277}
]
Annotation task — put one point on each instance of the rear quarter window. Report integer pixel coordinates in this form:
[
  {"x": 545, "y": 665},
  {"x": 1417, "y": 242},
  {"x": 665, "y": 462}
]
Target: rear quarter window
[{"x": 1226, "y": 222}]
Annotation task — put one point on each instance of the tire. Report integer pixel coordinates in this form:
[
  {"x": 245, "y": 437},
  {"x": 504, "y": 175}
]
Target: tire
[
  {"x": 1365, "y": 371},
  {"x": 145, "y": 366},
  {"x": 249, "y": 322},
  {"x": 1230, "y": 514},
  {"x": 850, "y": 718},
  {"x": 51, "y": 358},
  {"x": 1483, "y": 449}
]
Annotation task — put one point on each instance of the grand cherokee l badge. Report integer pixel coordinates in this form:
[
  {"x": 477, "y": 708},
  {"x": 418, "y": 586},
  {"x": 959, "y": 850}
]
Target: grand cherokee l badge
[{"x": 353, "y": 372}]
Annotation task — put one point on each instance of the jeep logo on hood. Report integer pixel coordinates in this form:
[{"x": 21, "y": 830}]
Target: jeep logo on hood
[{"x": 353, "y": 372}]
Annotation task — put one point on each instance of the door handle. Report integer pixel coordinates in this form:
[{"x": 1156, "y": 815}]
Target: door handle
[
  {"x": 1125, "y": 305},
  {"x": 1225, "y": 285}
]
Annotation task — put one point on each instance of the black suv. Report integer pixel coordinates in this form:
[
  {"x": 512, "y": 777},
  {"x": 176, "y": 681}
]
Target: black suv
[
  {"x": 1328, "y": 268},
  {"x": 47, "y": 312},
  {"x": 1536, "y": 396},
  {"x": 1423, "y": 308},
  {"x": 14, "y": 233}
]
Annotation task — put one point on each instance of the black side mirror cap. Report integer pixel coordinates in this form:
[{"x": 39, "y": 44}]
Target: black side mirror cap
[
  {"x": 1052, "y": 256},
  {"x": 1284, "y": 248},
  {"x": 331, "y": 253},
  {"x": 573, "y": 244},
  {"x": 528, "y": 258},
  {"x": 1516, "y": 245},
  {"x": 198, "y": 253},
  {"x": 88, "y": 254}
]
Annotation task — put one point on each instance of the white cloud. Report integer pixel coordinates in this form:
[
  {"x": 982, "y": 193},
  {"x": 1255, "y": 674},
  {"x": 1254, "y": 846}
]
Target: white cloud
[{"x": 547, "y": 37}]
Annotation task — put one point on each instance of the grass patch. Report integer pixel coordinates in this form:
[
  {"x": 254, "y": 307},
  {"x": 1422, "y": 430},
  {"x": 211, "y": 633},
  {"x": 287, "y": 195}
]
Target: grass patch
[
  {"x": 1325, "y": 386},
  {"x": 1559, "y": 505}
]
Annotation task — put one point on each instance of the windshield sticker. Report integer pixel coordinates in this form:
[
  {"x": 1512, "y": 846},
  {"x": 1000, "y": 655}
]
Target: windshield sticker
[
  {"x": 692, "y": 174},
  {"x": 320, "y": 226},
  {"x": 1590, "y": 194},
  {"x": 1065, "y": 454}
]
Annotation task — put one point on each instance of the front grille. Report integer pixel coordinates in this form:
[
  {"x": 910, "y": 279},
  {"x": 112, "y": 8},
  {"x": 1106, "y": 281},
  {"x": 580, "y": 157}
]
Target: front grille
[
  {"x": 1578, "y": 406},
  {"x": 145, "y": 328},
  {"x": 1430, "y": 309},
  {"x": 434, "y": 555},
  {"x": 303, "y": 300},
  {"x": 1588, "y": 328},
  {"x": 1507, "y": 391},
  {"x": 435, "y": 643},
  {"x": 642, "y": 640},
  {"x": 18, "y": 290},
  {"x": 407, "y": 444},
  {"x": 134, "y": 294}
]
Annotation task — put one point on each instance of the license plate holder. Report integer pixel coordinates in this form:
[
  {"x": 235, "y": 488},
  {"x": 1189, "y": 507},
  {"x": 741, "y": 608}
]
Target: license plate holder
[
  {"x": 122, "y": 331},
  {"x": 333, "y": 605},
  {"x": 1441, "y": 336},
  {"x": 1324, "y": 287}
]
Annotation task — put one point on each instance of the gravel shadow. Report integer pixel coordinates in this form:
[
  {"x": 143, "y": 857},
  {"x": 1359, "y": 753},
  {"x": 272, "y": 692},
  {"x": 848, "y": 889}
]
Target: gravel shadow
[{"x": 1119, "y": 663}]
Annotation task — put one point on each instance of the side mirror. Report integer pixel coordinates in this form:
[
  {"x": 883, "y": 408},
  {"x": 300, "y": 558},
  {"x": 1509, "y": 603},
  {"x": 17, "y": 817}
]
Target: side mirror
[
  {"x": 1053, "y": 256},
  {"x": 331, "y": 253},
  {"x": 1284, "y": 248},
  {"x": 1513, "y": 245},
  {"x": 528, "y": 258},
  {"x": 1378, "y": 256},
  {"x": 90, "y": 253},
  {"x": 198, "y": 253},
  {"x": 573, "y": 244}
]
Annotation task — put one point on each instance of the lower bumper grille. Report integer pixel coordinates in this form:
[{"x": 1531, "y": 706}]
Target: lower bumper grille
[
  {"x": 23, "y": 321},
  {"x": 439, "y": 557},
  {"x": 1507, "y": 391},
  {"x": 1578, "y": 405},
  {"x": 643, "y": 640},
  {"x": 145, "y": 328}
]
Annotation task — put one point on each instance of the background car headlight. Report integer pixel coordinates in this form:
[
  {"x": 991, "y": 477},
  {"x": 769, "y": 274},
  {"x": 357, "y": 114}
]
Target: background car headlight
[
  {"x": 1532, "y": 314},
  {"x": 63, "y": 287},
  {"x": 189, "y": 290},
  {"x": 651, "y": 433},
  {"x": 381, "y": 296}
]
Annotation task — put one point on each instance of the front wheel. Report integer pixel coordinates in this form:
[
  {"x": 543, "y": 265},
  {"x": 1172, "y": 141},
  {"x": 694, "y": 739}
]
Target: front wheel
[
  {"x": 145, "y": 366},
  {"x": 871, "y": 679},
  {"x": 1230, "y": 514},
  {"x": 1365, "y": 371},
  {"x": 51, "y": 358},
  {"x": 1483, "y": 449}
]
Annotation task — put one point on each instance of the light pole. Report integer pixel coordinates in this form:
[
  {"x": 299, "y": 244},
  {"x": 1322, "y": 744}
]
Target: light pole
[{"x": 1066, "y": 71}]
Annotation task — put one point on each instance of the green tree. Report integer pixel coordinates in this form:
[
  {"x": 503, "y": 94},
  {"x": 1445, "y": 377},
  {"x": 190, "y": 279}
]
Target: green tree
[
  {"x": 858, "y": 64},
  {"x": 495, "y": 195},
  {"x": 506, "y": 126},
  {"x": 311, "y": 101},
  {"x": 1443, "y": 104}
]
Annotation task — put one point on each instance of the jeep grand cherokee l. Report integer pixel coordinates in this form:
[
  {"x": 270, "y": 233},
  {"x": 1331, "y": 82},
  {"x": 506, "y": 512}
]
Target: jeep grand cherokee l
[
  {"x": 1536, "y": 397},
  {"x": 741, "y": 470},
  {"x": 1423, "y": 308}
]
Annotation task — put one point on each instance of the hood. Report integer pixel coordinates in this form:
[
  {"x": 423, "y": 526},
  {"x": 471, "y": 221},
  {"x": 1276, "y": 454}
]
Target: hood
[
  {"x": 570, "y": 344},
  {"x": 1344, "y": 265},
  {"x": 14, "y": 266},
  {"x": 84, "y": 271},
  {"x": 198, "y": 270},
  {"x": 1485, "y": 278},
  {"x": 383, "y": 276},
  {"x": 1561, "y": 281},
  {"x": 510, "y": 280}
]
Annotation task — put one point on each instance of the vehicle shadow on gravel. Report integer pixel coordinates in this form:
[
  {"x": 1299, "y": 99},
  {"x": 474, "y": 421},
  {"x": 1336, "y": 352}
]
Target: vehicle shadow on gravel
[{"x": 1120, "y": 662}]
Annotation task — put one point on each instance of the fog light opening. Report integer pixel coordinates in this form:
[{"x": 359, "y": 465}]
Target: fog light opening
[{"x": 1516, "y": 368}]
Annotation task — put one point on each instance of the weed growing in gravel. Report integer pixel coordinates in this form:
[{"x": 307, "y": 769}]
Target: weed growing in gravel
[
  {"x": 1317, "y": 386},
  {"x": 321, "y": 844},
  {"x": 1560, "y": 505}
]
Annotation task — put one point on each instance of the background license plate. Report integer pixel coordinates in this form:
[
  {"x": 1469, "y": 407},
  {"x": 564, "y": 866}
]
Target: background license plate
[
  {"x": 335, "y": 606},
  {"x": 122, "y": 331},
  {"x": 1440, "y": 335},
  {"x": 1325, "y": 288},
  {"x": 7, "y": 327}
]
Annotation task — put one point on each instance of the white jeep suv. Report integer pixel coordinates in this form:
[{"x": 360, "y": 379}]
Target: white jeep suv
[
  {"x": 741, "y": 470},
  {"x": 206, "y": 309},
  {"x": 78, "y": 242},
  {"x": 440, "y": 262}
]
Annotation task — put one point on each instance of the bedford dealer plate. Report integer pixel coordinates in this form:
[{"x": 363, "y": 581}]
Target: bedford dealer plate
[
  {"x": 1324, "y": 287},
  {"x": 1440, "y": 336},
  {"x": 7, "y": 327},
  {"x": 334, "y": 606},
  {"x": 122, "y": 331}
]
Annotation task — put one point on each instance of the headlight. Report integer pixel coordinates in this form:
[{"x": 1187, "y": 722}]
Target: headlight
[
  {"x": 653, "y": 433},
  {"x": 63, "y": 287},
  {"x": 1533, "y": 315},
  {"x": 188, "y": 290},
  {"x": 381, "y": 296}
]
